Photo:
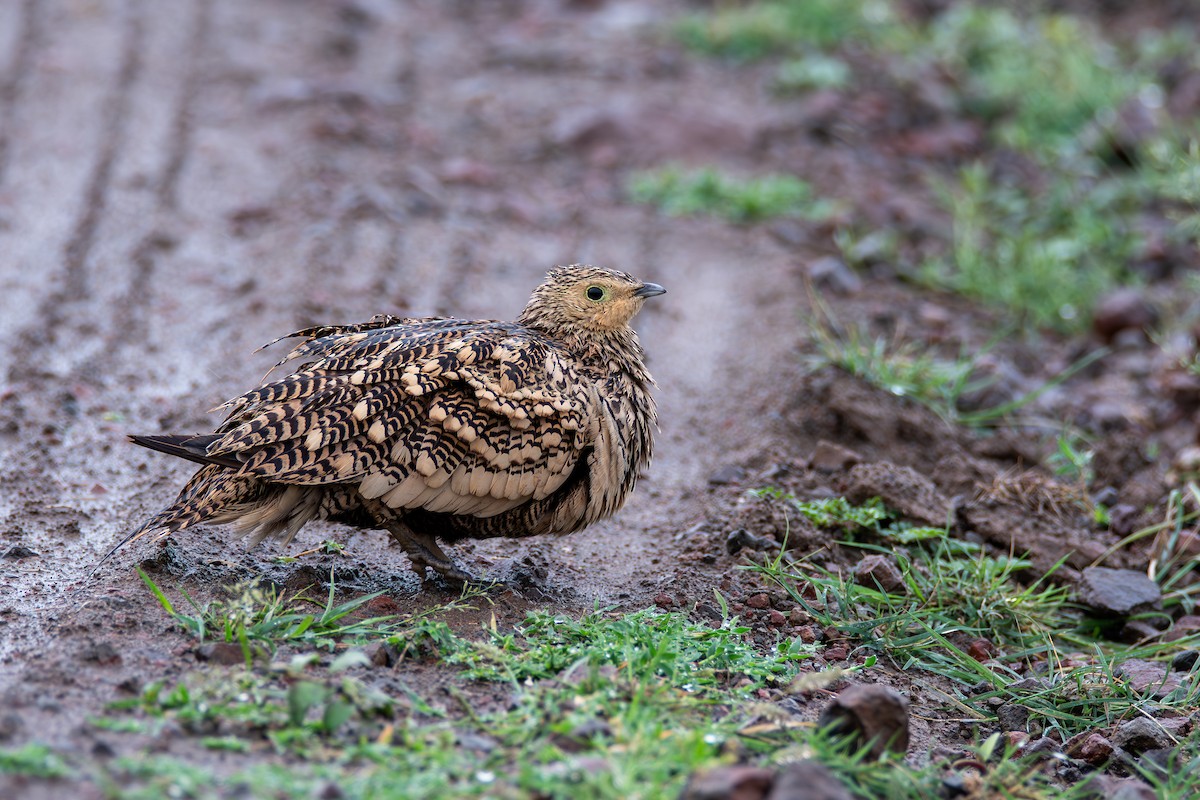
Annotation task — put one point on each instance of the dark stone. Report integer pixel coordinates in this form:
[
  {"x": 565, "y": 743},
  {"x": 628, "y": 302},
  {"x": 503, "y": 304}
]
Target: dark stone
[
  {"x": 878, "y": 571},
  {"x": 1012, "y": 717},
  {"x": 1152, "y": 676},
  {"x": 829, "y": 457},
  {"x": 1110, "y": 592},
  {"x": 872, "y": 714},
  {"x": 731, "y": 473},
  {"x": 807, "y": 780},
  {"x": 227, "y": 653},
  {"x": 831, "y": 274},
  {"x": 729, "y": 783},
  {"x": 1141, "y": 734},
  {"x": 743, "y": 539},
  {"x": 19, "y": 551},
  {"x": 1090, "y": 747},
  {"x": 759, "y": 600},
  {"x": 1123, "y": 309},
  {"x": 1183, "y": 662}
]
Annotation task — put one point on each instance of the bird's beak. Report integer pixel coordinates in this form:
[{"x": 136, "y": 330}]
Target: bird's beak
[{"x": 649, "y": 290}]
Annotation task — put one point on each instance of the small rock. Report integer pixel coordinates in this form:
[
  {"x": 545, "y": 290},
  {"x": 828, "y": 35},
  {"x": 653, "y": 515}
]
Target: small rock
[
  {"x": 664, "y": 600},
  {"x": 829, "y": 457},
  {"x": 1090, "y": 747},
  {"x": 776, "y": 620},
  {"x": 1183, "y": 662},
  {"x": 741, "y": 538},
  {"x": 878, "y": 570},
  {"x": 10, "y": 726},
  {"x": 19, "y": 551},
  {"x": 807, "y": 780},
  {"x": 1123, "y": 309},
  {"x": 227, "y": 653},
  {"x": 1123, "y": 519},
  {"x": 1044, "y": 746},
  {"x": 101, "y": 653},
  {"x": 1182, "y": 627},
  {"x": 380, "y": 655},
  {"x": 837, "y": 652},
  {"x": 1149, "y": 675},
  {"x": 798, "y": 616},
  {"x": 1117, "y": 592},
  {"x": 580, "y": 737},
  {"x": 831, "y": 274},
  {"x": 730, "y": 473},
  {"x": 1012, "y": 717},
  {"x": 873, "y": 714},
  {"x": 729, "y": 783},
  {"x": 1137, "y": 630},
  {"x": 1141, "y": 734},
  {"x": 806, "y": 633},
  {"x": 1108, "y": 787},
  {"x": 981, "y": 649},
  {"x": 759, "y": 600}
]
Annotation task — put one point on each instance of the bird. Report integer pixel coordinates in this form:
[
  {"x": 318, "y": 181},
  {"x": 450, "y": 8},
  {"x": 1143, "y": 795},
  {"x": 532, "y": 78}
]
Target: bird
[{"x": 436, "y": 428}]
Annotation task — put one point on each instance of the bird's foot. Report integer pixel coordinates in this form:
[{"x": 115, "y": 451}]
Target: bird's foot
[{"x": 423, "y": 551}]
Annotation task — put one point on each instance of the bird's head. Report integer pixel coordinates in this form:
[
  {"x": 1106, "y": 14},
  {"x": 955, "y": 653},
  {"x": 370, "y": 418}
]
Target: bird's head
[{"x": 587, "y": 299}]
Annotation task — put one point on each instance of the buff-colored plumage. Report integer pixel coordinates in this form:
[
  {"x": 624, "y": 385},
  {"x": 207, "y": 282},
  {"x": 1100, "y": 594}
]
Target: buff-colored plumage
[{"x": 438, "y": 428}]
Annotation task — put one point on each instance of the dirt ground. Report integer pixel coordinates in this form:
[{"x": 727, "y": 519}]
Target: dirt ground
[{"x": 183, "y": 182}]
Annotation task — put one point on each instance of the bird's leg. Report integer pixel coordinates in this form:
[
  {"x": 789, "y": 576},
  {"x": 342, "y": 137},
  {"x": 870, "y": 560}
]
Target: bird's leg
[{"x": 422, "y": 549}]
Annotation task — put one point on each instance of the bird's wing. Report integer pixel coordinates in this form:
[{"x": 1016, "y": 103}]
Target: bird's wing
[{"x": 451, "y": 416}]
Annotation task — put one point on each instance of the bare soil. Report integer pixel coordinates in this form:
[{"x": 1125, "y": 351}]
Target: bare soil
[{"x": 182, "y": 182}]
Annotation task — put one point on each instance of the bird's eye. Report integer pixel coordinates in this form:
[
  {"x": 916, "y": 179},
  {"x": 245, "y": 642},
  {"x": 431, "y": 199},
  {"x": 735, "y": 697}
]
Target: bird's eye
[{"x": 595, "y": 293}]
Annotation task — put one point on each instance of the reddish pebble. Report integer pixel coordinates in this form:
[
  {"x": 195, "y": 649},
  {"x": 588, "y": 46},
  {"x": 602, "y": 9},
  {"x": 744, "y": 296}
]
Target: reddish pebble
[
  {"x": 776, "y": 619},
  {"x": 836, "y": 653},
  {"x": 759, "y": 601},
  {"x": 663, "y": 600},
  {"x": 981, "y": 649},
  {"x": 806, "y": 633}
]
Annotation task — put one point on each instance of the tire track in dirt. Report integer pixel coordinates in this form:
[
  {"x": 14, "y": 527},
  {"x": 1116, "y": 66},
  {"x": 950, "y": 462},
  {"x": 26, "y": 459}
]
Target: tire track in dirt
[
  {"x": 159, "y": 240},
  {"x": 182, "y": 126},
  {"x": 28, "y": 43},
  {"x": 95, "y": 197}
]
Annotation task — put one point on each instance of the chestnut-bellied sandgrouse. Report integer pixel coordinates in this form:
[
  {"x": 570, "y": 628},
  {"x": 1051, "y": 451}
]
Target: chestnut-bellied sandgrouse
[{"x": 436, "y": 428}]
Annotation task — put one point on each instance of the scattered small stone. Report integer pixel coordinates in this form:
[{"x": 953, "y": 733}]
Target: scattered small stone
[
  {"x": 729, "y": 783},
  {"x": 330, "y": 791},
  {"x": 807, "y": 780},
  {"x": 580, "y": 737},
  {"x": 1123, "y": 309},
  {"x": 743, "y": 539},
  {"x": 1184, "y": 626},
  {"x": 776, "y": 620},
  {"x": 873, "y": 714},
  {"x": 798, "y": 616},
  {"x": 10, "y": 726},
  {"x": 1137, "y": 630},
  {"x": 19, "y": 551},
  {"x": 806, "y": 633},
  {"x": 981, "y": 649},
  {"x": 380, "y": 655},
  {"x": 831, "y": 274},
  {"x": 101, "y": 653},
  {"x": 1183, "y": 662},
  {"x": 227, "y": 653},
  {"x": 1044, "y": 746},
  {"x": 1090, "y": 747},
  {"x": 1141, "y": 734},
  {"x": 1117, "y": 592},
  {"x": 837, "y": 652},
  {"x": 730, "y": 473},
  {"x": 1145, "y": 675},
  {"x": 1123, "y": 519},
  {"x": 759, "y": 600},
  {"x": 664, "y": 600},
  {"x": 1012, "y": 717},
  {"x": 878, "y": 570},
  {"x": 1027, "y": 685}
]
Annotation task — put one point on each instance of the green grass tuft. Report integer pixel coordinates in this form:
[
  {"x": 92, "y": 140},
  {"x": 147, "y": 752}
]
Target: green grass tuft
[{"x": 706, "y": 191}]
